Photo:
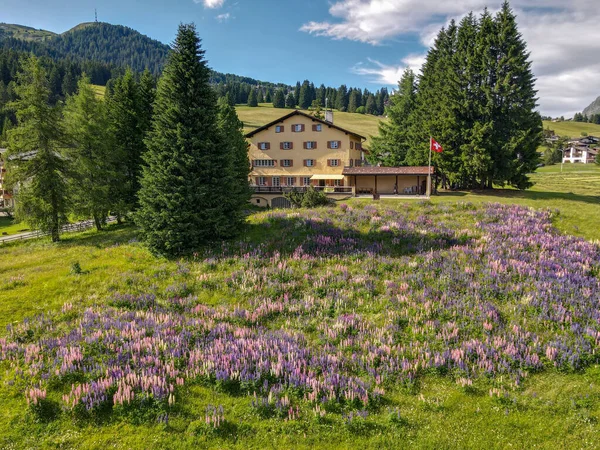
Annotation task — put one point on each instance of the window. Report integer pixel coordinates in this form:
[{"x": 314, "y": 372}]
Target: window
[
  {"x": 333, "y": 162},
  {"x": 290, "y": 181},
  {"x": 351, "y": 145},
  {"x": 338, "y": 182},
  {"x": 276, "y": 181},
  {"x": 358, "y": 146},
  {"x": 305, "y": 181},
  {"x": 286, "y": 146},
  {"x": 279, "y": 129},
  {"x": 261, "y": 181},
  {"x": 263, "y": 163},
  {"x": 334, "y": 144},
  {"x": 310, "y": 162},
  {"x": 287, "y": 162},
  {"x": 317, "y": 127},
  {"x": 310, "y": 145},
  {"x": 298, "y": 128},
  {"x": 264, "y": 145}
]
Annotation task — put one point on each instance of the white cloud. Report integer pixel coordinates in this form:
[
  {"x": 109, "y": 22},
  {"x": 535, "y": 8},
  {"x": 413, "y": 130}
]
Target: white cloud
[
  {"x": 223, "y": 17},
  {"x": 212, "y": 4},
  {"x": 380, "y": 73},
  {"x": 563, "y": 37}
]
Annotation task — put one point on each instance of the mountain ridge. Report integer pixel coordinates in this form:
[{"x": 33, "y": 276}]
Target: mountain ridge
[{"x": 592, "y": 108}]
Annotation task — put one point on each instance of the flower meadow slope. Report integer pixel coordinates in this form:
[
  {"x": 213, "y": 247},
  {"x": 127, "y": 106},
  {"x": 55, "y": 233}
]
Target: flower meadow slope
[{"x": 331, "y": 311}]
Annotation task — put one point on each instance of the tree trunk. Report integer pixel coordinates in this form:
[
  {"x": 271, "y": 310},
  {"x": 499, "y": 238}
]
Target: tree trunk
[{"x": 98, "y": 222}]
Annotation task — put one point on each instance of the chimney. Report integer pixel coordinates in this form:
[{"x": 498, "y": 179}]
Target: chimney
[{"x": 329, "y": 116}]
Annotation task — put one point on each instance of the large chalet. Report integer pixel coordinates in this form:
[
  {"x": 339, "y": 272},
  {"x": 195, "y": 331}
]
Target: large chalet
[{"x": 299, "y": 150}]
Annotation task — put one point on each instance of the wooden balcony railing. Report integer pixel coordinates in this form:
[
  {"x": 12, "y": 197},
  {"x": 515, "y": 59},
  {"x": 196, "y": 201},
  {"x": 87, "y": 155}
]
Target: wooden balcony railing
[{"x": 283, "y": 189}]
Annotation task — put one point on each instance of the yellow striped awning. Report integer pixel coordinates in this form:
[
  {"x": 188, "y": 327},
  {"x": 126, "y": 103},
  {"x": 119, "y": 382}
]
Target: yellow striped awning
[{"x": 327, "y": 177}]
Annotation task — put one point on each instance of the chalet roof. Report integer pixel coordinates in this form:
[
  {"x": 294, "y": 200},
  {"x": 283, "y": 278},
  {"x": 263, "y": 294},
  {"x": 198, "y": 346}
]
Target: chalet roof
[
  {"x": 374, "y": 170},
  {"x": 300, "y": 113}
]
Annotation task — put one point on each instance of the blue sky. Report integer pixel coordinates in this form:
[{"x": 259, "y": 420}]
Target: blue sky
[{"x": 364, "y": 43}]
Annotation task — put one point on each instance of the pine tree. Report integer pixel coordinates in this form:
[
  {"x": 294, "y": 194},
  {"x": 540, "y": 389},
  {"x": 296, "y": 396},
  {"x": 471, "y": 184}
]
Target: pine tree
[
  {"x": 268, "y": 98},
  {"x": 353, "y": 102},
  {"x": 88, "y": 153},
  {"x": 391, "y": 145},
  {"x": 259, "y": 96},
  {"x": 279, "y": 99},
  {"x": 290, "y": 101},
  {"x": 305, "y": 99},
  {"x": 252, "y": 99},
  {"x": 341, "y": 98},
  {"x": 518, "y": 126},
  {"x": 297, "y": 94},
  {"x": 370, "y": 104},
  {"x": 36, "y": 165},
  {"x": 128, "y": 121},
  {"x": 185, "y": 195},
  {"x": 239, "y": 194}
]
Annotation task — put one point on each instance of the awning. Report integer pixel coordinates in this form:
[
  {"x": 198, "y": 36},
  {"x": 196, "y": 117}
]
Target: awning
[{"x": 327, "y": 177}]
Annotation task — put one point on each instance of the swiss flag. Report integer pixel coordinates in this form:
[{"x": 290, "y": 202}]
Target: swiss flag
[{"x": 435, "y": 146}]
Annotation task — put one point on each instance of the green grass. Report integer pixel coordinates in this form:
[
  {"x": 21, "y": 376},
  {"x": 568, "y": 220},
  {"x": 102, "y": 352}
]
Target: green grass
[
  {"x": 573, "y": 129},
  {"x": 575, "y": 193},
  {"x": 99, "y": 90},
  {"x": 9, "y": 226},
  {"x": 26, "y": 33},
  {"x": 553, "y": 409},
  {"x": 363, "y": 124}
]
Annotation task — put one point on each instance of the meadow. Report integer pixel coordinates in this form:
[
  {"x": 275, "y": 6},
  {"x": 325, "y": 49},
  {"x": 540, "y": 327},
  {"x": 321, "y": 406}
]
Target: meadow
[
  {"x": 572, "y": 129},
  {"x": 364, "y": 124},
  {"x": 455, "y": 323}
]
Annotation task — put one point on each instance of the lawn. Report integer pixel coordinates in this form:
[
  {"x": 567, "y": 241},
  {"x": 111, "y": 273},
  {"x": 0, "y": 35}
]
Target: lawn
[
  {"x": 325, "y": 328},
  {"x": 9, "y": 226},
  {"x": 363, "y": 124},
  {"x": 573, "y": 129}
]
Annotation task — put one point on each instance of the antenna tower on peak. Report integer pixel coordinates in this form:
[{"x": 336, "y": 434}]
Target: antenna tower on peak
[{"x": 96, "y": 14}]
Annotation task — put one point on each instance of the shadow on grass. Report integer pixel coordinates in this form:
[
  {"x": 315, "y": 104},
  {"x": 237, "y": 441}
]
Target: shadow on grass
[{"x": 526, "y": 195}]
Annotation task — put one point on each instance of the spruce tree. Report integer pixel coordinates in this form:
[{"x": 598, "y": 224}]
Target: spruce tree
[
  {"x": 290, "y": 101},
  {"x": 353, "y": 102},
  {"x": 259, "y": 96},
  {"x": 341, "y": 98},
  {"x": 128, "y": 115},
  {"x": 88, "y": 153},
  {"x": 239, "y": 192},
  {"x": 37, "y": 167},
  {"x": 279, "y": 99},
  {"x": 268, "y": 98},
  {"x": 186, "y": 183},
  {"x": 305, "y": 96},
  {"x": 297, "y": 94},
  {"x": 391, "y": 146},
  {"x": 252, "y": 100}
]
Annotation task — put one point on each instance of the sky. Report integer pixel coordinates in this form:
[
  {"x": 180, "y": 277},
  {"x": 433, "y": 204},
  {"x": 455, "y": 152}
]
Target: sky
[{"x": 360, "y": 43}]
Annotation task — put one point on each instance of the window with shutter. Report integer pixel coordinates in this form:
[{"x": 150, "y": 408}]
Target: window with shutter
[{"x": 351, "y": 145}]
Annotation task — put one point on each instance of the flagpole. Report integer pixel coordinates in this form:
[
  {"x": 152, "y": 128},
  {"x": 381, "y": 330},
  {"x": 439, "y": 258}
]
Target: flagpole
[{"x": 429, "y": 171}]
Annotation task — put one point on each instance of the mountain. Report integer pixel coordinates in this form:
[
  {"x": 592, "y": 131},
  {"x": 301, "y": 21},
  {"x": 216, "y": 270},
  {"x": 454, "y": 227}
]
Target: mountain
[
  {"x": 102, "y": 42},
  {"x": 593, "y": 108}
]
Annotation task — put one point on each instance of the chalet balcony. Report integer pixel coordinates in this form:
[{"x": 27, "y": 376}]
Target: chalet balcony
[{"x": 348, "y": 190}]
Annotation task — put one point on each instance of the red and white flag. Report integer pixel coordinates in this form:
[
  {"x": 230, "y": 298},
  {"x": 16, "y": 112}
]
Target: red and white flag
[{"x": 435, "y": 146}]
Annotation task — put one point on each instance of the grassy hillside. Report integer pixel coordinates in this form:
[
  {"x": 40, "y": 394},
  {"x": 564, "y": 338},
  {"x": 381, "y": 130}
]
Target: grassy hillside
[
  {"x": 352, "y": 298},
  {"x": 253, "y": 118},
  {"x": 573, "y": 129},
  {"x": 25, "y": 33}
]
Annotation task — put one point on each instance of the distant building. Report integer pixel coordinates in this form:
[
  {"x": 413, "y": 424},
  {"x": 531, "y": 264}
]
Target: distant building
[
  {"x": 299, "y": 150},
  {"x": 6, "y": 197},
  {"x": 581, "y": 150}
]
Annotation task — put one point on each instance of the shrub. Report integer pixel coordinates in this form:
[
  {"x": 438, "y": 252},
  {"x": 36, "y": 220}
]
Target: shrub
[
  {"x": 76, "y": 268},
  {"x": 313, "y": 198},
  {"x": 361, "y": 110}
]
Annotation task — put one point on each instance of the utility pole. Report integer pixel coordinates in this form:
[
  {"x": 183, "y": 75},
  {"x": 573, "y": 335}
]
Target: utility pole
[{"x": 96, "y": 14}]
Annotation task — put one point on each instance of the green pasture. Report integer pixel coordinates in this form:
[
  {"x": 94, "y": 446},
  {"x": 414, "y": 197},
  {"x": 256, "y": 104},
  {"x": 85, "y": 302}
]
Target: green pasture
[{"x": 573, "y": 129}]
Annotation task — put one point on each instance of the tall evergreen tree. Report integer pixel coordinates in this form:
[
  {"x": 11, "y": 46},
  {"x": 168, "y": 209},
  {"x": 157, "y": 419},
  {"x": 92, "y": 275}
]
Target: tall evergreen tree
[
  {"x": 297, "y": 94},
  {"x": 391, "y": 146},
  {"x": 279, "y": 99},
  {"x": 36, "y": 165},
  {"x": 127, "y": 114},
  {"x": 259, "y": 96},
  {"x": 185, "y": 195},
  {"x": 252, "y": 99},
  {"x": 290, "y": 101},
  {"x": 353, "y": 101},
  {"x": 341, "y": 98},
  {"x": 88, "y": 153},
  {"x": 305, "y": 99},
  {"x": 268, "y": 98},
  {"x": 239, "y": 192}
]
